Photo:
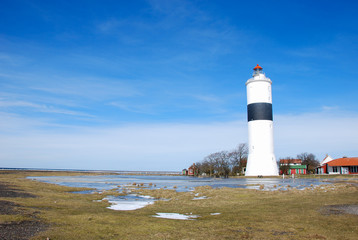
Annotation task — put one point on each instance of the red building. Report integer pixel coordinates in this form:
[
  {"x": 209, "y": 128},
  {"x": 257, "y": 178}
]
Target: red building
[
  {"x": 292, "y": 166},
  {"x": 343, "y": 165},
  {"x": 323, "y": 165},
  {"x": 192, "y": 170}
]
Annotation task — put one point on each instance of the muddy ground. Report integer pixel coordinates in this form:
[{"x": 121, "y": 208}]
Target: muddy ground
[{"x": 19, "y": 230}]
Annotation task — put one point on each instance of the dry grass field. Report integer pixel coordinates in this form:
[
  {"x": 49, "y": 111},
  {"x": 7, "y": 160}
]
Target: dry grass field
[{"x": 44, "y": 210}]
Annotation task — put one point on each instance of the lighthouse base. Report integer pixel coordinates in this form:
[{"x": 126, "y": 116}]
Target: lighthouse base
[{"x": 261, "y": 165}]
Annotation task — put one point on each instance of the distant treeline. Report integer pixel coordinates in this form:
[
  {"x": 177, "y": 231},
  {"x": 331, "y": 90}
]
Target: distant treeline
[{"x": 224, "y": 163}]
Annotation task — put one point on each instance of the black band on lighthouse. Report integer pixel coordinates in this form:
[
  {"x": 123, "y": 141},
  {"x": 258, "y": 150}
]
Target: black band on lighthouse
[{"x": 259, "y": 111}]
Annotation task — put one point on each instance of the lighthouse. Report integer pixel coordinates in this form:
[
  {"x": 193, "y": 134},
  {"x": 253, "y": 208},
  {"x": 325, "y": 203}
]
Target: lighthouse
[{"x": 261, "y": 159}]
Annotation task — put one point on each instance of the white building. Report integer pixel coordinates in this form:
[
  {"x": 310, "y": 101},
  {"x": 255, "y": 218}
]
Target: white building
[
  {"x": 261, "y": 159},
  {"x": 345, "y": 165}
]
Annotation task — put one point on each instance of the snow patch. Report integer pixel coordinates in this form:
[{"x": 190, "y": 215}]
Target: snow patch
[
  {"x": 129, "y": 202},
  {"x": 214, "y": 214},
  {"x": 176, "y": 216},
  {"x": 128, "y": 205},
  {"x": 200, "y": 198}
]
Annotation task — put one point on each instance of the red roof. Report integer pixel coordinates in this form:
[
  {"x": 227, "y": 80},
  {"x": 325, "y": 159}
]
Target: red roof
[
  {"x": 344, "y": 162},
  {"x": 257, "y": 67},
  {"x": 288, "y": 161}
]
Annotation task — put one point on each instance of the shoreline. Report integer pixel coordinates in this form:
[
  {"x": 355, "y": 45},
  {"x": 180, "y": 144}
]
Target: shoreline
[{"x": 168, "y": 173}]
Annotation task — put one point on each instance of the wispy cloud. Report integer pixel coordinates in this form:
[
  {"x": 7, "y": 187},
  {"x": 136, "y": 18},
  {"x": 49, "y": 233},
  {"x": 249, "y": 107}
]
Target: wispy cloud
[
  {"x": 330, "y": 108},
  {"x": 208, "y": 98},
  {"x": 12, "y": 60},
  {"x": 176, "y": 31},
  {"x": 89, "y": 87},
  {"x": 42, "y": 91},
  {"x": 108, "y": 26},
  {"x": 332, "y": 49},
  {"x": 40, "y": 108},
  {"x": 136, "y": 108},
  {"x": 311, "y": 52}
]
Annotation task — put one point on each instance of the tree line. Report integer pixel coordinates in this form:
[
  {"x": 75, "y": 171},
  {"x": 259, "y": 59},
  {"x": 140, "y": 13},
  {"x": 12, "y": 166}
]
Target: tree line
[
  {"x": 224, "y": 163},
  {"x": 232, "y": 163}
]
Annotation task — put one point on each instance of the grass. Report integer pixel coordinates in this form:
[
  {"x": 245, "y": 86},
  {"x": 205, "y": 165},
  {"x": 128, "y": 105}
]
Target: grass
[{"x": 245, "y": 214}]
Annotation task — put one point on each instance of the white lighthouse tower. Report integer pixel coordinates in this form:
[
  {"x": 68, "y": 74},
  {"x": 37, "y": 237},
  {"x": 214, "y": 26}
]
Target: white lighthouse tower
[{"x": 261, "y": 160}]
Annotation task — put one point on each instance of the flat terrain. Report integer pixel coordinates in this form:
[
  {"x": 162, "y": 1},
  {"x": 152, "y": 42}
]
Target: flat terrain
[{"x": 35, "y": 210}]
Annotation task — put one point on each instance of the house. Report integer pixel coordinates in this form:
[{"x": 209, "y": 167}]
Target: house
[
  {"x": 292, "y": 166},
  {"x": 343, "y": 166},
  {"x": 323, "y": 165},
  {"x": 192, "y": 170},
  {"x": 185, "y": 172}
]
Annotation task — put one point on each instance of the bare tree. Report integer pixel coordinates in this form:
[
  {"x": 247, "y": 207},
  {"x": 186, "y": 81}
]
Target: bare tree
[
  {"x": 310, "y": 160},
  {"x": 224, "y": 163},
  {"x": 238, "y": 158},
  {"x": 208, "y": 164}
]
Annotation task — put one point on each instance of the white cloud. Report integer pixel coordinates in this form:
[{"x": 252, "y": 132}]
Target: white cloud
[
  {"x": 170, "y": 146},
  {"x": 132, "y": 147},
  {"x": 333, "y": 132}
]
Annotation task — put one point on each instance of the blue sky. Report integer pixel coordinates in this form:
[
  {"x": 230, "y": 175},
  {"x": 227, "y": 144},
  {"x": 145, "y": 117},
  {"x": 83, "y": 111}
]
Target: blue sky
[{"x": 158, "y": 85}]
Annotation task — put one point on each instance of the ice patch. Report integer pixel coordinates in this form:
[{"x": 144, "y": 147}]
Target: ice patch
[
  {"x": 129, "y": 202},
  {"x": 84, "y": 192},
  {"x": 200, "y": 198},
  {"x": 128, "y": 206},
  {"x": 176, "y": 216},
  {"x": 147, "y": 197}
]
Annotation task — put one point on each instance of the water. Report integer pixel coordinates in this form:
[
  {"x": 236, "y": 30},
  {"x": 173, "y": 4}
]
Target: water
[
  {"x": 126, "y": 183},
  {"x": 179, "y": 183}
]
